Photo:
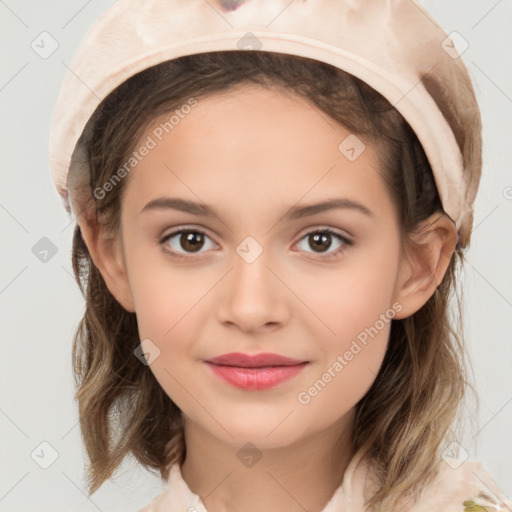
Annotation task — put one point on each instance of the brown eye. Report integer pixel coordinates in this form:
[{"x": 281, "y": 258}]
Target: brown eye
[
  {"x": 185, "y": 241},
  {"x": 320, "y": 241},
  {"x": 191, "y": 240}
]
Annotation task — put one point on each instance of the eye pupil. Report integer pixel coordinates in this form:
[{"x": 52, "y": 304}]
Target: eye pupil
[
  {"x": 191, "y": 240},
  {"x": 324, "y": 239}
]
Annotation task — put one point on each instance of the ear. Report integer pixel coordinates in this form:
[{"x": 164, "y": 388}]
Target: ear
[
  {"x": 424, "y": 262},
  {"x": 107, "y": 254}
]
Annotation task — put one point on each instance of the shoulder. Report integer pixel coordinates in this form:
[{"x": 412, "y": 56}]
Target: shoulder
[{"x": 462, "y": 486}]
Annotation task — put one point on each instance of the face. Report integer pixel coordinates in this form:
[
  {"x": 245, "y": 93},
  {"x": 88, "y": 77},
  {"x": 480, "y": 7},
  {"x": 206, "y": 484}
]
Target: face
[{"x": 225, "y": 253}]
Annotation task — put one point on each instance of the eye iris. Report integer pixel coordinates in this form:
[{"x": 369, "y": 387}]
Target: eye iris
[
  {"x": 191, "y": 240},
  {"x": 324, "y": 239}
]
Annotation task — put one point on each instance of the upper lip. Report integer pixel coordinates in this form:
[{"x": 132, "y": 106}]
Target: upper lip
[{"x": 253, "y": 361}]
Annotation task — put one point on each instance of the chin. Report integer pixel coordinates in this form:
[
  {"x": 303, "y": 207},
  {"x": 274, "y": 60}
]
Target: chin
[{"x": 265, "y": 434}]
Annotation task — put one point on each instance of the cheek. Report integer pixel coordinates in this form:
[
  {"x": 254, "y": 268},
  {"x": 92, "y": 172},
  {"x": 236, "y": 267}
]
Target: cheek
[
  {"x": 169, "y": 304},
  {"x": 351, "y": 351},
  {"x": 164, "y": 293},
  {"x": 353, "y": 310},
  {"x": 343, "y": 302},
  {"x": 172, "y": 303}
]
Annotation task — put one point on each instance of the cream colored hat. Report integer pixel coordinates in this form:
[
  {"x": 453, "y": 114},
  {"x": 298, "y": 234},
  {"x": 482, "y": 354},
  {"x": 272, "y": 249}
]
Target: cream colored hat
[{"x": 392, "y": 45}]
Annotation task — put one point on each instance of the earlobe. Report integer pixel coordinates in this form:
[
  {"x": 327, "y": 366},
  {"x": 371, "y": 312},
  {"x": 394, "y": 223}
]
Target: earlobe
[
  {"x": 424, "y": 263},
  {"x": 106, "y": 253}
]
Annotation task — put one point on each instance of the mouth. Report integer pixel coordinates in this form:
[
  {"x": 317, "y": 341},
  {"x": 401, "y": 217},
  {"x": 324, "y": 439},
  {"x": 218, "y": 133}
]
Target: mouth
[
  {"x": 259, "y": 372},
  {"x": 263, "y": 360}
]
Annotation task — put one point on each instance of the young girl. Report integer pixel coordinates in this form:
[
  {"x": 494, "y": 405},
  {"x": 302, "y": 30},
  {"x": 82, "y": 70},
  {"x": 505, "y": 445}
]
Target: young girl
[{"x": 272, "y": 203}]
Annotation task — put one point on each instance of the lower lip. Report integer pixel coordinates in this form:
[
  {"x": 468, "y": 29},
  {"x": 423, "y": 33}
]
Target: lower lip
[{"x": 256, "y": 378}]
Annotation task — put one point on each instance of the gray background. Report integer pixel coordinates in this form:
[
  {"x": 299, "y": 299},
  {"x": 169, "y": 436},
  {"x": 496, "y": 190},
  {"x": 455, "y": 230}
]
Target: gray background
[{"x": 40, "y": 302}]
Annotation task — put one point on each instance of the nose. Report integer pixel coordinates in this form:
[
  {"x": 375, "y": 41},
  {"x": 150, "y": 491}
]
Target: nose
[{"x": 252, "y": 296}]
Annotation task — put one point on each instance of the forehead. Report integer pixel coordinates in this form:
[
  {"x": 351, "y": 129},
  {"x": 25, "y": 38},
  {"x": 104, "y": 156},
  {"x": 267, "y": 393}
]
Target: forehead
[{"x": 255, "y": 145}]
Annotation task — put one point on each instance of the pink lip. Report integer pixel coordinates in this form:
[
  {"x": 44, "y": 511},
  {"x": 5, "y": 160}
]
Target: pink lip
[{"x": 258, "y": 372}]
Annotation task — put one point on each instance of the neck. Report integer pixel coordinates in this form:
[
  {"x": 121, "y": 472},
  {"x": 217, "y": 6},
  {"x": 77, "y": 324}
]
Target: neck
[{"x": 300, "y": 476}]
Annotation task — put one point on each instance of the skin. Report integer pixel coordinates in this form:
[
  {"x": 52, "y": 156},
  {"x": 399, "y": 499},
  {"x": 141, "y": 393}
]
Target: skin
[{"x": 252, "y": 156}]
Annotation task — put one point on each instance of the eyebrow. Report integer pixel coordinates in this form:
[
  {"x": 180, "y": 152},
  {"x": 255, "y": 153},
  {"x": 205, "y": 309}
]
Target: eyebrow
[{"x": 296, "y": 212}]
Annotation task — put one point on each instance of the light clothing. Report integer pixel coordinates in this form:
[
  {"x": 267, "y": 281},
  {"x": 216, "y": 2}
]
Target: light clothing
[{"x": 459, "y": 487}]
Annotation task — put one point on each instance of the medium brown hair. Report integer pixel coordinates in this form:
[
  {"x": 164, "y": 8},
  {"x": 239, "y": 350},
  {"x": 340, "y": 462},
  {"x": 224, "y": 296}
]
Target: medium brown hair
[{"x": 409, "y": 412}]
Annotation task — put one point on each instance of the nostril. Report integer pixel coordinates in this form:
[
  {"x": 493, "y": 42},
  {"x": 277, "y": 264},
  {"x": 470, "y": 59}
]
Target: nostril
[{"x": 230, "y": 5}]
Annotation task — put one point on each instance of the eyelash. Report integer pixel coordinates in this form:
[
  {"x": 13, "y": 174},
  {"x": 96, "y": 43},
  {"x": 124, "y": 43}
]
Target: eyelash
[{"x": 346, "y": 242}]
